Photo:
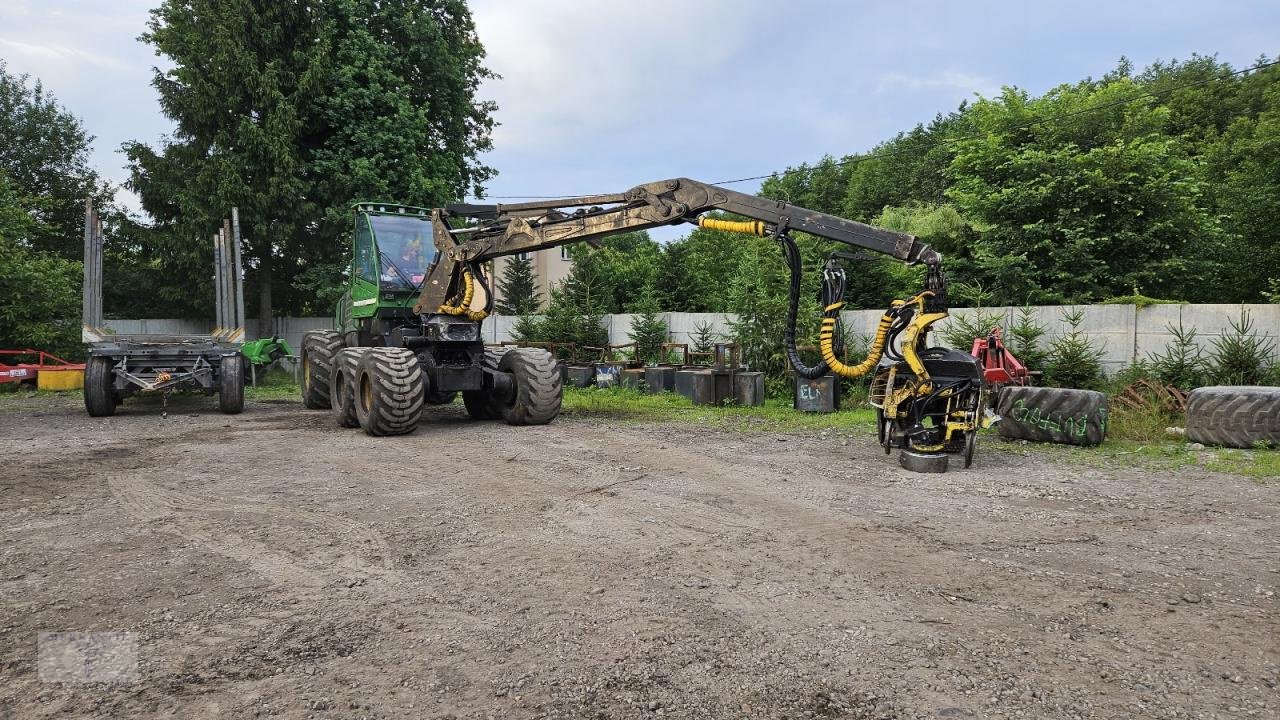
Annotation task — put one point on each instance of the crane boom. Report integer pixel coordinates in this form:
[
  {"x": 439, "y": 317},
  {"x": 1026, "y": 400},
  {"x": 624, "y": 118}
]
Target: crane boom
[{"x": 507, "y": 229}]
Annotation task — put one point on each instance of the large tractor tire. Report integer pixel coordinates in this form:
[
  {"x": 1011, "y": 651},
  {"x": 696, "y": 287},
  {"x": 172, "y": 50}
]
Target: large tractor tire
[
  {"x": 318, "y": 350},
  {"x": 481, "y": 404},
  {"x": 99, "y": 387},
  {"x": 1056, "y": 415},
  {"x": 537, "y": 387},
  {"x": 342, "y": 386},
  {"x": 1233, "y": 415},
  {"x": 231, "y": 385},
  {"x": 390, "y": 389}
]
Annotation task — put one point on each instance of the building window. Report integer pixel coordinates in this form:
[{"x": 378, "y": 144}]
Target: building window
[
  {"x": 564, "y": 252},
  {"x": 523, "y": 256}
]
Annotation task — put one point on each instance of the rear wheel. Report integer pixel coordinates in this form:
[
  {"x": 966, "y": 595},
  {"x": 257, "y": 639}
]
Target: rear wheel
[
  {"x": 342, "y": 380},
  {"x": 389, "y": 387},
  {"x": 482, "y": 404},
  {"x": 536, "y": 386},
  {"x": 231, "y": 384},
  {"x": 318, "y": 350},
  {"x": 99, "y": 393}
]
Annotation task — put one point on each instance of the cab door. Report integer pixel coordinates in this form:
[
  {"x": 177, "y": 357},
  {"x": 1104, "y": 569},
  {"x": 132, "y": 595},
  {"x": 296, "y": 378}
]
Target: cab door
[{"x": 364, "y": 270}]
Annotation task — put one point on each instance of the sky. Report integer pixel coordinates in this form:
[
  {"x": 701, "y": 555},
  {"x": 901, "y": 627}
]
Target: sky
[{"x": 597, "y": 97}]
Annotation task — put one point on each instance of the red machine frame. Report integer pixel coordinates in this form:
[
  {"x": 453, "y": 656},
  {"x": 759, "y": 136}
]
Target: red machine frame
[{"x": 29, "y": 371}]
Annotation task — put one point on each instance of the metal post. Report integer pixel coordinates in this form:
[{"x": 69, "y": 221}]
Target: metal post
[
  {"x": 86, "y": 304},
  {"x": 217, "y": 284},
  {"x": 228, "y": 281},
  {"x": 98, "y": 243},
  {"x": 237, "y": 268}
]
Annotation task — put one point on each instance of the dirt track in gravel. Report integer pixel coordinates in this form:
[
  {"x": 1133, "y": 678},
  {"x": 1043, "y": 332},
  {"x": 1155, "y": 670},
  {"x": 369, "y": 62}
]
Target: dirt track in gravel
[{"x": 272, "y": 564}]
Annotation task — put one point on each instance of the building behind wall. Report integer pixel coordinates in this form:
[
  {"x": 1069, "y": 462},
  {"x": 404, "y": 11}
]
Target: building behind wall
[{"x": 550, "y": 267}]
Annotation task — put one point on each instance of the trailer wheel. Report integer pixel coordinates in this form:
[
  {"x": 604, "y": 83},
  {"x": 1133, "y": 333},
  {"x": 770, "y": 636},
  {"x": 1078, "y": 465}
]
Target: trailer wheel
[
  {"x": 1234, "y": 416},
  {"x": 537, "y": 386},
  {"x": 481, "y": 404},
  {"x": 342, "y": 380},
  {"x": 318, "y": 350},
  {"x": 231, "y": 385},
  {"x": 99, "y": 391},
  {"x": 389, "y": 387}
]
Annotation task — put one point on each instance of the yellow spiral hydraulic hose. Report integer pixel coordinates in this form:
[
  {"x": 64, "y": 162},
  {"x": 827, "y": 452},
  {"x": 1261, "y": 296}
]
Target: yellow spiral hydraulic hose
[
  {"x": 827, "y": 336},
  {"x": 750, "y": 227},
  {"x": 463, "y": 308}
]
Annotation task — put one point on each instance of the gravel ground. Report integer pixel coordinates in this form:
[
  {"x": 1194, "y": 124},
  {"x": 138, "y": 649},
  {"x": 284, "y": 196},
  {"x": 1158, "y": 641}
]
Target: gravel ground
[{"x": 272, "y": 564}]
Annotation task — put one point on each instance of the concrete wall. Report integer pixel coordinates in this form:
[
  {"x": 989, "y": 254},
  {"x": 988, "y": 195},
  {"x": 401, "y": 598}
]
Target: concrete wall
[{"x": 1124, "y": 332}]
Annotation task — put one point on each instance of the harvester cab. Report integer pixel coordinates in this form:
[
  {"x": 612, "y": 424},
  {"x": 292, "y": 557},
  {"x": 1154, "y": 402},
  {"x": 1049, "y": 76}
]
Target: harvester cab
[{"x": 393, "y": 253}]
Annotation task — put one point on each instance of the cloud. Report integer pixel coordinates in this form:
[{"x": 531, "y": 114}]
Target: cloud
[
  {"x": 949, "y": 82},
  {"x": 57, "y": 58},
  {"x": 572, "y": 67}
]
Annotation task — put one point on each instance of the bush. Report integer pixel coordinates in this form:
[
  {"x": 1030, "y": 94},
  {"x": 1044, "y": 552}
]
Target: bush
[
  {"x": 648, "y": 331},
  {"x": 1074, "y": 360},
  {"x": 1181, "y": 364},
  {"x": 1023, "y": 339},
  {"x": 1240, "y": 357},
  {"x": 574, "y": 316},
  {"x": 703, "y": 338},
  {"x": 962, "y": 330}
]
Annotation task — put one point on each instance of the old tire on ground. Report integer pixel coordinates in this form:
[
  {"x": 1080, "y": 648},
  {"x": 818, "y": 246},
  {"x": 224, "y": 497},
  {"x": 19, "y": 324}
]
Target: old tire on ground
[
  {"x": 1234, "y": 415},
  {"x": 318, "y": 350},
  {"x": 390, "y": 389},
  {"x": 99, "y": 392},
  {"x": 923, "y": 462},
  {"x": 1056, "y": 415},
  {"x": 342, "y": 384},
  {"x": 231, "y": 384},
  {"x": 481, "y": 404},
  {"x": 537, "y": 388}
]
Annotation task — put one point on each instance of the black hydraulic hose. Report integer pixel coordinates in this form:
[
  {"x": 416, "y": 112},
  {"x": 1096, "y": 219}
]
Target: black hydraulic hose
[
  {"x": 791, "y": 254},
  {"x": 479, "y": 275}
]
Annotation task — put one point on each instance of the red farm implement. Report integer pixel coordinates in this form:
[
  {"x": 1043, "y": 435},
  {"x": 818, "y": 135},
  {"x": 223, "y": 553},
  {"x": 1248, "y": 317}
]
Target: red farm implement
[{"x": 39, "y": 369}]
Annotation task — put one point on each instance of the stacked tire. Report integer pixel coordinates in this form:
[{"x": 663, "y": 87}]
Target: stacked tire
[{"x": 1240, "y": 416}]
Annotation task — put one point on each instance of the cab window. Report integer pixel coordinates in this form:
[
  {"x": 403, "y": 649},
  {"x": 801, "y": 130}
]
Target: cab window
[{"x": 366, "y": 265}]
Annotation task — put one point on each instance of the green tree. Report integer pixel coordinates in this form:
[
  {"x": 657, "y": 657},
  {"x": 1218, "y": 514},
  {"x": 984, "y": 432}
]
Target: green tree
[
  {"x": 1074, "y": 360},
  {"x": 1085, "y": 208},
  {"x": 623, "y": 268},
  {"x": 517, "y": 288},
  {"x": 294, "y": 111},
  {"x": 44, "y": 152},
  {"x": 648, "y": 329},
  {"x": 574, "y": 315},
  {"x": 39, "y": 290},
  {"x": 1244, "y": 162}
]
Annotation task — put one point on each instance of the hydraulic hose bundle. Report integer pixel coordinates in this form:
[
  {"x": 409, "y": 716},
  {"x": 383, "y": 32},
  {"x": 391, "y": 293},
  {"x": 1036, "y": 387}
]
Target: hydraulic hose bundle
[
  {"x": 833, "y": 287},
  {"x": 462, "y": 308}
]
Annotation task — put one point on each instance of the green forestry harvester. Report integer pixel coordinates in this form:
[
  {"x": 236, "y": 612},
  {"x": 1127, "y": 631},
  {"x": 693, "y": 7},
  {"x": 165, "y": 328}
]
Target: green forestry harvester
[{"x": 407, "y": 331}]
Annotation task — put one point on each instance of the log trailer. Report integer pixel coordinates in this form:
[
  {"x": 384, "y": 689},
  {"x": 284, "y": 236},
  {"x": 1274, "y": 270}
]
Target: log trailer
[
  {"x": 407, "y": 329},
  {"x": 123, "y": 365}
]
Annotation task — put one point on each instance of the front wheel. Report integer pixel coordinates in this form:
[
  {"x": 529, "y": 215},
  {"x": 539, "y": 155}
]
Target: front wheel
[
  {"x": 390, "y": 389},
  {"x": 537, "y": 388}
]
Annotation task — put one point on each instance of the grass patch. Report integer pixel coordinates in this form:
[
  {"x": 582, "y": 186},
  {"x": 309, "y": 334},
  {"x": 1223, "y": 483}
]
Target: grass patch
[
  {"x": 275, "y": 385},
  {"x": 628, "y": 405}
]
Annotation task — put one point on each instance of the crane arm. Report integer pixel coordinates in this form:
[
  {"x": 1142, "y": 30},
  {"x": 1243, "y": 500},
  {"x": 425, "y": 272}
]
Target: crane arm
[{"x": 507, "y": 229}]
